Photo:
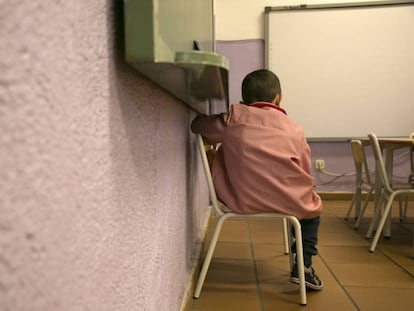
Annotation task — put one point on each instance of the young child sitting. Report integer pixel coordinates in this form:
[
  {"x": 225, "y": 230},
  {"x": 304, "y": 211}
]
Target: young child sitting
[{"x": 263, "y": 163}]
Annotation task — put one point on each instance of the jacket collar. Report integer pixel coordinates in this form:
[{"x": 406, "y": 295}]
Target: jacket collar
[{"x": 264, "y": 104}]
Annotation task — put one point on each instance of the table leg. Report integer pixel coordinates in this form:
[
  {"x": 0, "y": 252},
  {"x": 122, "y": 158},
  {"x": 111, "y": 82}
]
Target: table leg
[{"x": 389, "y": 167}]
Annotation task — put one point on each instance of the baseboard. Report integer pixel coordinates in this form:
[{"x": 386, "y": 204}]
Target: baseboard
[
  {"x": 336, "y": 196},
  {"x": 340, "y": 196},
  {"x": 346, "y": 196},
  {"x": 192, "y": 279}
]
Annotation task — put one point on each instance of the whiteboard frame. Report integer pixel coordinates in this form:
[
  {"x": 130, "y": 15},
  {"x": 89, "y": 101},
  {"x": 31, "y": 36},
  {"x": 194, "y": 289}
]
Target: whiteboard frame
[{"x": 269, "y": 9}]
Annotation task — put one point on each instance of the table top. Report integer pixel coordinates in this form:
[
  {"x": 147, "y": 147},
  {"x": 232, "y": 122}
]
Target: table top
[
  {"x": 391, "y": 140},
  {"x": 396, "y": 140}
]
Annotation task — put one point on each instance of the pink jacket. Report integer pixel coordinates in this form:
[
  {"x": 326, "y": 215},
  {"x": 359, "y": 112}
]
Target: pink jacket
[{"x": 263, "y": 163}]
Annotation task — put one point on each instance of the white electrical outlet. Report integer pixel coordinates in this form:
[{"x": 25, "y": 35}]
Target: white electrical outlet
[{"x": 319, "y": 164}]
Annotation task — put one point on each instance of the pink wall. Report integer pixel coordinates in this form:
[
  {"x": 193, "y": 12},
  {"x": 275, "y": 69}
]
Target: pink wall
[
  {"x": 99, "y": 203},
  {"x": 339, "y": 161}
]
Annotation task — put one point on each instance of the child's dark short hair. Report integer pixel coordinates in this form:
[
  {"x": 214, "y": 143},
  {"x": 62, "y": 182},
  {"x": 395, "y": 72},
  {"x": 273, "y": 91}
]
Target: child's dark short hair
[{"x": 260, "y": 86}]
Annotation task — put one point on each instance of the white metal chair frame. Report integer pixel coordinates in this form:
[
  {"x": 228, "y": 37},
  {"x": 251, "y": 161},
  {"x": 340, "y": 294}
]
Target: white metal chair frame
[
  {"x": 363, "y": 182},
  {"x": 388, "y": 194},
  {"x": 224, "y": 214}
]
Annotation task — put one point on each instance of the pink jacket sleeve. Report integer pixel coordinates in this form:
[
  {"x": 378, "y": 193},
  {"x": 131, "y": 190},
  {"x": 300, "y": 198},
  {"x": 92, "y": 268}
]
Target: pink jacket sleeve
[{"x": 211, "y": 126}]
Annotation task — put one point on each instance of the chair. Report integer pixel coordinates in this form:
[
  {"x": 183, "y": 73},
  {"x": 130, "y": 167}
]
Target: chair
[
  {"x": 363, "y": 181},
  {"x": 388, "y": 193},
  {"x": 223, "y": 214}
]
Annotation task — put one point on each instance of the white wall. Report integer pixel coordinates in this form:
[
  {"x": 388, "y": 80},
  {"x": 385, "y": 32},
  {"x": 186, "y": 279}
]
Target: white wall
[
  {"x": 101, "y": 196},
  {"x": 243, "y": 19}
]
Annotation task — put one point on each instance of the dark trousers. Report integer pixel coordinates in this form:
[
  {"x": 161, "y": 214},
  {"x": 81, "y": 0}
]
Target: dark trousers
[{"x": 309, "y": 239}]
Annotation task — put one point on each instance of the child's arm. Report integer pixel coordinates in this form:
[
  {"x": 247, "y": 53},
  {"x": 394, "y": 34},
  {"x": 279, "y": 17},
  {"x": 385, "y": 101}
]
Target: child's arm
[{"x": 211, "y": 127}]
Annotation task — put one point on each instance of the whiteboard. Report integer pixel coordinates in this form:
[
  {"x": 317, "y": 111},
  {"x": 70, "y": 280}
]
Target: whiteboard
[{"x": 346, "y": 70}]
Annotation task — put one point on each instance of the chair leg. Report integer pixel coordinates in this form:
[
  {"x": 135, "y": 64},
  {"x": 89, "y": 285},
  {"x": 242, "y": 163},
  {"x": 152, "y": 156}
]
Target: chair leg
[
  {"x": 382, "y": 222},
  {"x": 209, "y": 256},
  {"x": 351, "y": 206},
  {"x": 364, "y": 207},
  {"x": 288, "y": 221},
  {"x": 299, "y": 260},
  {"x": 286, "y": 236},
  {"x": 377, "y": 213},
  {"x": 290, "y": 242},
  {"x": 412, "y": 249},
  {"x": 403, "y": 208}
]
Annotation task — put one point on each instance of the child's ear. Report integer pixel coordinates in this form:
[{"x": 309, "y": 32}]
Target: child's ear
[{"x": 277, "y": 99}]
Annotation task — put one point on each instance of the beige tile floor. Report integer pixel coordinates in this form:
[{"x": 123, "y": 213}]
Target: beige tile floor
[{"x": 250, "y": 272}]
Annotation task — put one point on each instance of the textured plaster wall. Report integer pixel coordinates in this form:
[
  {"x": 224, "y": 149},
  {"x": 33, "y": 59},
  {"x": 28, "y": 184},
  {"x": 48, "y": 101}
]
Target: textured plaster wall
[{"x": 98, "y": 209}]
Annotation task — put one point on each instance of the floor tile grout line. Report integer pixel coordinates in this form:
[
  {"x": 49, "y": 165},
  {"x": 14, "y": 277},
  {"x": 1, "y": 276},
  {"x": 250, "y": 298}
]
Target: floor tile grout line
[
  {"x": 349, "y": 292},
  {"x": 378, "y": 249},
  {"x": 347, "y": 223},
  {"x": 397, "y": 264},
  {"x": 333, "y": 274},
  {"x": 339, "y": 283},
  {"x": 389, "y": 258},
  {"x": 256, "y": 274}
]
